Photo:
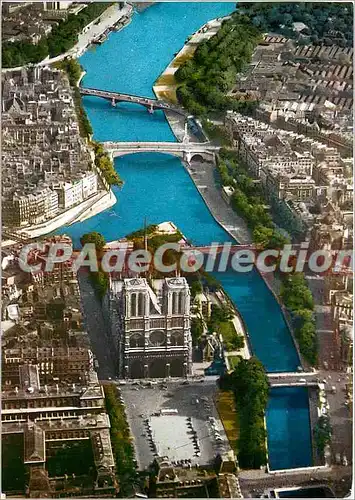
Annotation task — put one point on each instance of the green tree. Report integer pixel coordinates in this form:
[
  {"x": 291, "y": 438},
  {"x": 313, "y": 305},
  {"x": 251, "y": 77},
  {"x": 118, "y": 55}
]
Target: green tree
[
  {"x": 296, "y": 294},
  {"x": 196, "y": 288},
  {"x": 196, "y": 330},
  {"x": 105, "y": 164},
  {"x": 322, "y": 434},
  {"x": 251, "y": 389},
  {"x": 278, "y": 240},
  {"x": 63, "y": 37},
  {"x": 121, "y": 441},
  {"x": 94, "y": 237},
  {"x": 206, "y": 78},
  {"x": 100, "y": 281},
  {"x": 262, "y": 235}
]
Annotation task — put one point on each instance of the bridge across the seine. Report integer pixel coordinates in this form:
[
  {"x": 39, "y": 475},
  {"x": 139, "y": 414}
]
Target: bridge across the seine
[
  {"x": 294, "y": 379},
  {"x": 182, "y": 150},
  {"x": 149, "y": 103}
]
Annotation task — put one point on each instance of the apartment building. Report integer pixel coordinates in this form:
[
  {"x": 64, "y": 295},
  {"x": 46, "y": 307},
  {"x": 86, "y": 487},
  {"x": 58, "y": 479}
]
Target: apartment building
[{"x": 47, "y": 167}]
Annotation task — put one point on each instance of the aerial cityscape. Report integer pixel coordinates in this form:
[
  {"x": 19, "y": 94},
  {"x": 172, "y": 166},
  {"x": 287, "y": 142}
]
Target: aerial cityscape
[{"x": 177, "y": 245}]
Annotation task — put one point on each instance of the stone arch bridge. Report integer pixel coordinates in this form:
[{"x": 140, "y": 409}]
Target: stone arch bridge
[{"x": 186, "y": 151}]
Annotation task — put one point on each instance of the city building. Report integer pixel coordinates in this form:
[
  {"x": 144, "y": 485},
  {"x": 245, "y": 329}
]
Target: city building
[
  {"x": 29, "y": 22},
  {"x": 47, "y": 167},
  {"x": 299, "y": 81},
  {"x": 55, "y": 429},
  {"x": 171, "y": 481},
  {"x": 299, "y": 174},
  {"x": 150, "y": 324},
  {"x": 49, "y": 418}
]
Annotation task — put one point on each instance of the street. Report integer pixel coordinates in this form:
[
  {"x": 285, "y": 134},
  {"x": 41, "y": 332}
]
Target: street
[
  {"x": 254, "y": 483},
  {"x": 332, "y": 370},
  {"x": 97, "y": 328},
  {"x": 203, "y": 175}
]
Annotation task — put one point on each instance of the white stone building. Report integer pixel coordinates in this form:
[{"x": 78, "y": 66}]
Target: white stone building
[{"x": 150, "y": 325}]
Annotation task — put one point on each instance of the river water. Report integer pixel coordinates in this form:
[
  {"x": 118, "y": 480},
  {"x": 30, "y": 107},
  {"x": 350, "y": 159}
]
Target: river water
[{"x": 158, "y": 187}]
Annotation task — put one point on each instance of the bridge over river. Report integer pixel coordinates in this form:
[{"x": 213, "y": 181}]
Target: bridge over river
[
  {"x": 149, "y": 103},
  {"x": 293, "y": 379},
  {"x": 184, "y": 150}
]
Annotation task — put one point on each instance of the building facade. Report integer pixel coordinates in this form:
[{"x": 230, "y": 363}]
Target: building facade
[
  {"x": 151, "y": 327},
  {"x": 61, "y": 414}
]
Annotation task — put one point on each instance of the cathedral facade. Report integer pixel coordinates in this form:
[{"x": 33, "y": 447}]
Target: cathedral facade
[{"x": 150, "y": 324}]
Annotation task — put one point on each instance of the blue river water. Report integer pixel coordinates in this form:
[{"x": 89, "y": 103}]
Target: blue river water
[
  {"x": 158, "y": 187},
  {"x": 288, "y": 406}
]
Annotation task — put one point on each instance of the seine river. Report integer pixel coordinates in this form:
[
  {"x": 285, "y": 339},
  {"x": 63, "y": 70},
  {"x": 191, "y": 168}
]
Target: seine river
[{"x": 158, "y": 187}]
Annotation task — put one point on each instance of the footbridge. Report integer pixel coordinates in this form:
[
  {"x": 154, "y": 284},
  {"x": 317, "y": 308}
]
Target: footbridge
[
  {"x": 182, "y": 150},
  {"x": 115, "y": 97}
]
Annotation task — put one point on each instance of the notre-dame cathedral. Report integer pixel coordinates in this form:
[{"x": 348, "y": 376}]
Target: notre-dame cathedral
[{"x": 150, "y": 324}]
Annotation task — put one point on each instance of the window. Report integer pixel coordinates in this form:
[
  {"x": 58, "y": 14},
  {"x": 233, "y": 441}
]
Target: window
[
  {"x": 181, "y": 302},
  {"x": 133, "y": 305},
  {"x": 174, "y": 303},
  {"x": 141, "y": 304}
]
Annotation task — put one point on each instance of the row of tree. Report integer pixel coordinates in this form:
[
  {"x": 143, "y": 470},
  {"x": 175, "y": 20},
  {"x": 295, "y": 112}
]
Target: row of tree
[
  {"x": 121, "y": 442},
  {"x": 298, "y": 299},
  {"x": 105, "y": 164},
  {"x": 99, "y": 279},
  {"x": 250, "y": 385},
  {"x": 248, "y": 200},
  {"x": 73, "y": 70},
  {"x": 322, "y": 434},
  {"x": 102, "y": 159},
  {"x": 207, "y": 77},
  {"x": 326, "y": 23},
  {"x": 61, "y": 39}
]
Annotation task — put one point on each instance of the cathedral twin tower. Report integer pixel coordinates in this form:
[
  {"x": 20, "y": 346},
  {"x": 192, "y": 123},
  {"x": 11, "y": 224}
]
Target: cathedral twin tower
[{"x": 150, "y": 324}]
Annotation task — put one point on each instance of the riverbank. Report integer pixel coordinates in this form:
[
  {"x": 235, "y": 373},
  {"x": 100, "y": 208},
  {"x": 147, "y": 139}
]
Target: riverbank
[
  {"x": 96, "y": 28},
  {"x": 165, "y": 86},
  {"x": 88, "y": 208},
  {"x": 241, "y": 329},
  {"x": 202, "y": 175},
  {"x": 158, "y": 188},
  {"x": 141, "y": 6}
]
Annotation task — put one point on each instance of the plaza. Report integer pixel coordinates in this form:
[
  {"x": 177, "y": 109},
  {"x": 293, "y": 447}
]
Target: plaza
[{"x": 175, "y": 419}]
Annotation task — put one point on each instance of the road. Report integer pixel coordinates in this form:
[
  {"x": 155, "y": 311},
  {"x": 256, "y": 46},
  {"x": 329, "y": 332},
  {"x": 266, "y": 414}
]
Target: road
[
  {"x": 254, "y": 483},
  {"x": 203, "y": 175},
  {"x": 327, "y": 342},
  {"x": 192, "y": 399},
  {"x": 332, "y": 370},
  {"x": 107, "y": 19},
  {"x": 97, "y": 329},
  {"x": 339, "y": 414}
]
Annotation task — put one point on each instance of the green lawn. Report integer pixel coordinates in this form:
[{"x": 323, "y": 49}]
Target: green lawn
[
  {"x": 232, "y": 340},
  {"x": 233, "y": 361},
  {"x": 225, "y": 403}
]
